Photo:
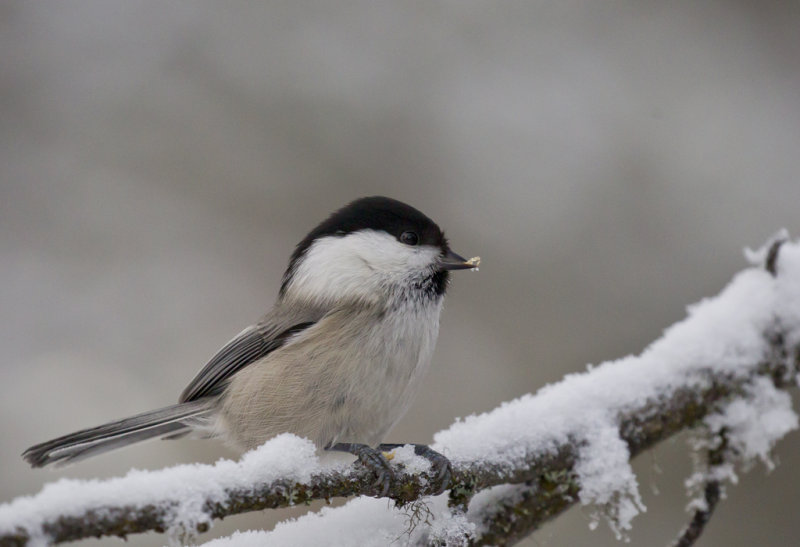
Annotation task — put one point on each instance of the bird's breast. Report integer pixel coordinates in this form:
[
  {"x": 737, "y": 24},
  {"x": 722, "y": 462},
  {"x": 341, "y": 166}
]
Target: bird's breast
[{"x": 379, "y": 385}]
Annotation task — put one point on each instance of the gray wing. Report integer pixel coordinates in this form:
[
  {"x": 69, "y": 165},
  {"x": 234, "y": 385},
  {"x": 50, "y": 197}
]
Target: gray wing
[{"x": 250, "y": 345}]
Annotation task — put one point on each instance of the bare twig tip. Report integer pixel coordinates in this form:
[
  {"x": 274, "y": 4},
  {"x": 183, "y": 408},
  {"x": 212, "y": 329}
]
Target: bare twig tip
[{"x": 772, "y": 256}]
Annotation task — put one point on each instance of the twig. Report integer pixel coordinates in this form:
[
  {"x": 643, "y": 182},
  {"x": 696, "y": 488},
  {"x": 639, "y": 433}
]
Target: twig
[
  {"x": 712, "y": 492},
  {"x": 717, "y": 456}
]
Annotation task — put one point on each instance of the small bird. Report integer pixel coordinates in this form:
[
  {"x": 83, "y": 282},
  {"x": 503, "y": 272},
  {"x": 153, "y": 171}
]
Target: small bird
[{"x": 337, "y": 360}]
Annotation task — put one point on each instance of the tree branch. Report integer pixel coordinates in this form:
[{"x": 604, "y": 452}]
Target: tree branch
[
  {"x": 546, "y": 479},
  {"x": 554, "y": 486}
]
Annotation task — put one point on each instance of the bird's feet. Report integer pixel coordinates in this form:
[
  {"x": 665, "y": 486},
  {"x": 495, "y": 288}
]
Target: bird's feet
[
  {"x": 372, "y": 459},
  {"x": 441, "y": 468}
]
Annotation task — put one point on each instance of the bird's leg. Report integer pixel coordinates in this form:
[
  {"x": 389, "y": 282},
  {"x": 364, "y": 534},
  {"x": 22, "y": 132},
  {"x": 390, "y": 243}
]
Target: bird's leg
[
  {"x": 441, "y": 469},
  {"x": 372, "y": 459}
]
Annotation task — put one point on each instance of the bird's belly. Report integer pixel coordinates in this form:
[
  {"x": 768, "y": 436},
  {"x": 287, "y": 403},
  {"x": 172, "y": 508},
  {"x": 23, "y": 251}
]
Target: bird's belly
[
  {"x": 365, "y": 412},
  {"x": 353, "y": 392}
]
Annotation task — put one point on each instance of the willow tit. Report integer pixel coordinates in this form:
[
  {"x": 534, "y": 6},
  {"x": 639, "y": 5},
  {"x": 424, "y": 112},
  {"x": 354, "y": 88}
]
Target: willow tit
[{"x": 337, "y": 360}]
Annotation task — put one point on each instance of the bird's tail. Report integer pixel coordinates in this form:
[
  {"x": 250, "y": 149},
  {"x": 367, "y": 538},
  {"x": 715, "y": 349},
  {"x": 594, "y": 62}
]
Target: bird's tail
[{"x": 168, "y": 422}]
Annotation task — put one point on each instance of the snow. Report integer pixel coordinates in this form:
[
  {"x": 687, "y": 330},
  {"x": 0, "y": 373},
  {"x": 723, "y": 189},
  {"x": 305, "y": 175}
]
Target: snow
[
  {"x": 412, "y": 463},
  {"x": 752, "y": 425},
  {"x": 615, "y": 489},
  {"x": 755, "y": 423},
  {"x": 722, "y": 334},
  {"x": 284, "y": 457},
  {"x": 363, "y": 522},
  {"x": 727, "y": 334},
  {"x": 486, "y": 502}
]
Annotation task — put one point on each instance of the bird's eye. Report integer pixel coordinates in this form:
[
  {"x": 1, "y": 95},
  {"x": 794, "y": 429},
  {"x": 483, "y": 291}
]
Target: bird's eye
[{"x": 409, "y": 238}]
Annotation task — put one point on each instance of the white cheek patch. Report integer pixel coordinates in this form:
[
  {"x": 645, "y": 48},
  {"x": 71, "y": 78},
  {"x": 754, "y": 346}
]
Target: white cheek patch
[{"x": 361, "y": 264}]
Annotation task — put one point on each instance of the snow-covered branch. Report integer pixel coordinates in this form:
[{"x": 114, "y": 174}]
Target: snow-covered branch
[{"x": 721, "y": 368}]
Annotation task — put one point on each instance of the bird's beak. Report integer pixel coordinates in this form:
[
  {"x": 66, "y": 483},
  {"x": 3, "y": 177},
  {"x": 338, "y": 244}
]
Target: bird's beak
[{"x": 452, "y": 261}]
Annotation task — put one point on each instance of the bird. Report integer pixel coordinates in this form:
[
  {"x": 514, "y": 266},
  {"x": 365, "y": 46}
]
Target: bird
[{"x": 338, "y": 359}]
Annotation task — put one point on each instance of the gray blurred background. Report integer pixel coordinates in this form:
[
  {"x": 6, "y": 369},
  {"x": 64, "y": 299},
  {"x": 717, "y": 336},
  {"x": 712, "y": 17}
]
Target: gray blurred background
[{"x": 608, "y": 160}]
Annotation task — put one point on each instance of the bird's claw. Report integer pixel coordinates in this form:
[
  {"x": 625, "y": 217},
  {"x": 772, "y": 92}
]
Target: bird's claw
[
  {"x": 442, "y": 471},
  {"x": 441, "y": 468},
  {"x": 372, "y": 459},
  {"x": 378, "y": 464}
]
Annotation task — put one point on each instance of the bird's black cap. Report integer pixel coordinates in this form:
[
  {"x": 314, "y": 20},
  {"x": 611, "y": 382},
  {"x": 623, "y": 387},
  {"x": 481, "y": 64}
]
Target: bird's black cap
[{"x": 372, "y": 213}]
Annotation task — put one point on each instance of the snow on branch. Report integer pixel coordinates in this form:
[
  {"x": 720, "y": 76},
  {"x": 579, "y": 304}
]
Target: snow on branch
[{"x": 721, "y": 369}]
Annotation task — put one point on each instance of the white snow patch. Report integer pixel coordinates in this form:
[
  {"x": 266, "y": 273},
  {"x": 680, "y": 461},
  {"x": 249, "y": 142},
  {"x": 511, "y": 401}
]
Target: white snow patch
[
  {"x": 412, "y": 463},
  {"x": 695, "y": 484},
  {"x": 361, "y": 522},
  {"x": 452, "y": 529},
  {"x": 489, "y": 501},
  {"x": 607, "y": 479},
  {"x": 753, "y": 425}
]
